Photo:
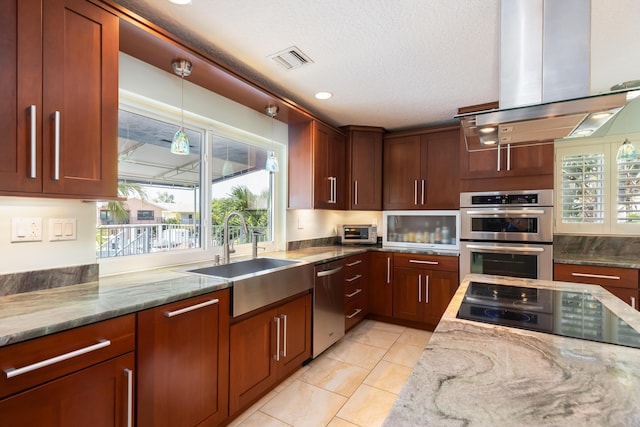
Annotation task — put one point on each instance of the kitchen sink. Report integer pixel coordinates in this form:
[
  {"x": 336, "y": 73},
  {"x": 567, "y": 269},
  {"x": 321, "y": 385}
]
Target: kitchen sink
[
  {"x": 259, "y": 282},
  {"x": 242, "y": 268}
]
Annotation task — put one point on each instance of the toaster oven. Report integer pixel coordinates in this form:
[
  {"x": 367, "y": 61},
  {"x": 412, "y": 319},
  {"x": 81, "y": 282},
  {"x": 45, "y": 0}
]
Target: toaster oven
[{"x": 359, "y": 234}]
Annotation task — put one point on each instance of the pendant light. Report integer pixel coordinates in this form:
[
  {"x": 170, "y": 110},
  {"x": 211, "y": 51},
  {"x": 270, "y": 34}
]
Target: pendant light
[
  {"x": 272, "y": 161},
  {"x": 180, "y": 142},
  {"x": 626, "y": 151}
]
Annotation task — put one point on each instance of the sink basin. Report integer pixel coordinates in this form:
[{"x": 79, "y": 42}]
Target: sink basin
[
  {"x": 242, "y": 268},
  {"x": 259, "y": 282}
]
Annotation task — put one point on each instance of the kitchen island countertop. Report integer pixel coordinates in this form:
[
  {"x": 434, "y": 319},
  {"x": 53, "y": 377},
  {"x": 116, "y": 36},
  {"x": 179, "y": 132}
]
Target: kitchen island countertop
[{"x": 479, "y": 374}]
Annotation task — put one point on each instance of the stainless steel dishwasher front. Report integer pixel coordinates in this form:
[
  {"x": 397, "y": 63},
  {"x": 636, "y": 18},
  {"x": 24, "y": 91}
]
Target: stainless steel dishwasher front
[{"x": 328, "y": 305}]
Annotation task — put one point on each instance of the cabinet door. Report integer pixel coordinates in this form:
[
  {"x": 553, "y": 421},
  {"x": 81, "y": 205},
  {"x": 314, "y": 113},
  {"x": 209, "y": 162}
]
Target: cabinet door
[
  {"x": 630, "y": 296},
  {"x": 440, "y": 286},
  {"x": 101, "y": 395},
  {"x": 80, "y": 99},
  {"x": 356, "y": 277},
  {"x": 295, "y": 335},
  {"x": 329, "y": 168},
  {"x": 21, "y": 100},
  {"x": 364, "y": 160},
  {"x": 408, "y": 293},
  {"x": 401, "y": 171},
  {"x": 253, "y": 366},
  {"x": 182, "y": 355},
  {"x": 442, "y": 183},
  {"x": 380, "y": 288}
]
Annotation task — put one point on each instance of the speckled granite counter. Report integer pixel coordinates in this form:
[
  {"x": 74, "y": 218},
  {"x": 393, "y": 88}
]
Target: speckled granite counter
[
  {"x": 478, "y": 374},
  {"x": 603, "y": 251},
  {"x": 32, "y": 314}
]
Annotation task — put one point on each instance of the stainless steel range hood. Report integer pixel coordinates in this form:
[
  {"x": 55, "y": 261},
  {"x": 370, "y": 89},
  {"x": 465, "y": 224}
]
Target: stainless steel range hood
[{"x": 544, "y": 78}]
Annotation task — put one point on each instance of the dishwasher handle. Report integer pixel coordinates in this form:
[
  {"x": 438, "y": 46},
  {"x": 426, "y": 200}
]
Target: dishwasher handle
[{"x": 329, "y": 272}]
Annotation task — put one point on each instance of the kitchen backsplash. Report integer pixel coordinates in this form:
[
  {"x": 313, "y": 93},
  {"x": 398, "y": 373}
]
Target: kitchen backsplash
[
  {"x": 605, "y": 246},
  {"x": 16, "y": 283}
]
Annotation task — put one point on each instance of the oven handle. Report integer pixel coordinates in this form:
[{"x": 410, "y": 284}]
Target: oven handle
[
  {"x": 507, "y": 211},
  {"x": 504, "y": 248}
]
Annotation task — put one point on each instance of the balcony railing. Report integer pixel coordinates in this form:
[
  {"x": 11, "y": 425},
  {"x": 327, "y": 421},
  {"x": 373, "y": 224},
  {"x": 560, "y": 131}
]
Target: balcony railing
[{"x": 136, "y": 239}]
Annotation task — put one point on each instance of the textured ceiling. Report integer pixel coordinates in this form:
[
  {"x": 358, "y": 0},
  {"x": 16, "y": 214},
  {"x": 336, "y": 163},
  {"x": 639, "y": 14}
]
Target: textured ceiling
[{"x": 392, "y": 63}]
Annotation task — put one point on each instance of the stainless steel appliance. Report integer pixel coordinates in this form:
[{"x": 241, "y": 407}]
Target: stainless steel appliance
[
  {"x": 328, "y": 306},
  {"x": 575, "y": 314},
  {"x": 507, "y": 233},
  {"x": 358, "y": 234}
]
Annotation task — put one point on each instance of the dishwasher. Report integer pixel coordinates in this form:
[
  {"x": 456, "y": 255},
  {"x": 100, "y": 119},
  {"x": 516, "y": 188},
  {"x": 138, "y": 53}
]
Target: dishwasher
[{"x": 328, "y": 305}]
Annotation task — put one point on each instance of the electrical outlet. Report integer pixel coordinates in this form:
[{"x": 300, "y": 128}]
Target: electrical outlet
[{"x": 26, "y": 230}]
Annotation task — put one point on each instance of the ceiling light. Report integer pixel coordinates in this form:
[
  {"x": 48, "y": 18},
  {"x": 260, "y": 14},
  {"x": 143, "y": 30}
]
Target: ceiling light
[
  {"x": 180, "y": 142},
  {"x": 601, "y": 115},
  {"x": 180, "y": 2},
  {"x": 487, "y": 129},
  {"x": 323, "y": 95},
  {"x": 489, "y": 142}
]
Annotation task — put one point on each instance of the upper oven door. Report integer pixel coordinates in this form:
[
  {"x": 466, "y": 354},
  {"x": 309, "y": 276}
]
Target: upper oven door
[{"x": 517, "y": 224}]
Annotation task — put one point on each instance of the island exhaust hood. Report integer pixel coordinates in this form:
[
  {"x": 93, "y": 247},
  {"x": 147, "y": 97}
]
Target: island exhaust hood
[{"x": 544, "y": 78}]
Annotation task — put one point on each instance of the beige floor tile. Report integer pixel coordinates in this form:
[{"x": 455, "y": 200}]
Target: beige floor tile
[
  {"x": 334, "y": 375},
  {"x": 302, "y": 404},
  {"x": 376, "y": 337},
  {"x": 363, "y": 355},
  {"x": 252, "y": 409},
  {"x": 339, "y": 422},
  {"x": 368, "y": 406},
  {"x": 293, "y": 377},
  {"x": 260, "y": 419},
  {"x": 388, "y": 376},
  {"x": 415, "y": 337},
  {"x": 403, "y": 354},
  {"x": 374, "y": 324}
]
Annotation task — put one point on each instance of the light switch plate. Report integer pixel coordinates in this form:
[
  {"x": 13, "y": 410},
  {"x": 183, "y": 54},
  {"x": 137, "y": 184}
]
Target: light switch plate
[
  {"x": 62, "y": 229},
  {"x": 26, "y": 230}
]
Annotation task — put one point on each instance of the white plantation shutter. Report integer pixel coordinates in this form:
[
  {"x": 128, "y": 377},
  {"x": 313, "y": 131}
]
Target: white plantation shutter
[
  {"x": 582, "y": 188},
  {"x": 628, "y": 191}
]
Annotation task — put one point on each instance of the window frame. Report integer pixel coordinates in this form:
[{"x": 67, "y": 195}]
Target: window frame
[{"x": 608, "y": 146}]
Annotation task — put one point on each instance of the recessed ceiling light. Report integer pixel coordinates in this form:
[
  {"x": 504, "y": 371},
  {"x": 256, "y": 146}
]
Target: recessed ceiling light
[
  {"x": 181, "y": 2},
  {"x": 323, "y": 95},
  {"x": 489, "y": 142},
  {"x": 601, "y": 115},
  {"x": 487, "y": 129}
]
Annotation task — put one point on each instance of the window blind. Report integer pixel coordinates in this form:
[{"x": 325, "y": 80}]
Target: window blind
[
  {"x": 582, "y": 186},
  {"x": 628, "y": 191}
]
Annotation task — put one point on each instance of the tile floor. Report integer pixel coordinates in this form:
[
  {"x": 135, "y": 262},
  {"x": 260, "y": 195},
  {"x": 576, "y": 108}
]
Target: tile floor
[{"x": 353, "y": 383}]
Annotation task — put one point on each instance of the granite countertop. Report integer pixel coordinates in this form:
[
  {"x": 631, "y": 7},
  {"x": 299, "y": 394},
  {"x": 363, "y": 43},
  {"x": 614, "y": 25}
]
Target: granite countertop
[
  {"x": 478, "y": 374},
  {"x": 33, "y": 314},
  {"x": 600, "y": 260}
]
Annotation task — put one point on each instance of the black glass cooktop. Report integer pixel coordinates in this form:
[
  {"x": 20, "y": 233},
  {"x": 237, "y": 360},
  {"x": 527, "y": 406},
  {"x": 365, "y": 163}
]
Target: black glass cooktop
[{"x": 559, "y": 312}]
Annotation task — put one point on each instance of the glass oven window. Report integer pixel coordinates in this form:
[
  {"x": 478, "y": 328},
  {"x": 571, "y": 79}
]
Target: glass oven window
[
  {"x": 516, "y": 265},
  {"x": 505, "y": 225}
]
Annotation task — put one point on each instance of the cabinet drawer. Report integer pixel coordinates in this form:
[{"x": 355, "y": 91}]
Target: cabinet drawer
[
  {"x": 604, "y": 276},
  {"x": 354, "y": 266},
  {"x": 34, "y": 362},
  {"x": 354, "y": 310},
  {"x": 428, "y": 262}
]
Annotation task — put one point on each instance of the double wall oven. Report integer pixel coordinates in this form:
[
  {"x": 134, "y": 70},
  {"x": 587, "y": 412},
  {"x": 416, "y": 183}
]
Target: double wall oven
[{"x": 507, "y": 233}]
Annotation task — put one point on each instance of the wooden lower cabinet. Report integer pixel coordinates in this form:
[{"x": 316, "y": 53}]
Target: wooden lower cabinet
[
  {"x": 356, "y": 276},
  {"x": 380, "y": 284},
  {"x": 423, "y": 287},
  {"x": 94, "y": 387},
  {"x": 183, "y": 359},
  {"x": 266, "y": 348},
  {"x": 621, "y": 282}
]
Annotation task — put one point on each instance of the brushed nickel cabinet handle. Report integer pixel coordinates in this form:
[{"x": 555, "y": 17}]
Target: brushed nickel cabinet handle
[
  {"x": 13, "y": 372},
  {"x": 426, "y": 294},
  {"x": 419, "y": 261},
  {"x": 56, "y": 146},
  {"x": 422, "y": 202},
  {"x": 32, "y": 128},
  {"x": 388, "y": 270},
  {"x": 355, "y": 192},
  {"x": 277, "y": 355},
  {"x": 596, "y": 276},
  {"x": 356, "y": 277},
  {"x": 354, "y": 314},
  {"x": 284, "y": 331},
  {"x": 129, "y": 377},
  {"x": 356, "y": 262},
  {"x": 354, "y": 293},
  {"x": 190, "y": 308},
  {"x": 633, "y": 302},
  {"x": 419, "y": 287},
  {"x": 415, "y": 191}
]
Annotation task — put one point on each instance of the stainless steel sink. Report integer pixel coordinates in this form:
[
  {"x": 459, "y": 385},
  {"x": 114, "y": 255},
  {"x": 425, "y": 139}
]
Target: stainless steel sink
[
  {"x": 259, "y": 282},
  {"x": 242, "y": 268}
]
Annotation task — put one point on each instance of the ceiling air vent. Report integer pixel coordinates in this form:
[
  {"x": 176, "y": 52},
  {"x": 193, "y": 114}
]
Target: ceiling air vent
[{"x": 291, "y": 58}]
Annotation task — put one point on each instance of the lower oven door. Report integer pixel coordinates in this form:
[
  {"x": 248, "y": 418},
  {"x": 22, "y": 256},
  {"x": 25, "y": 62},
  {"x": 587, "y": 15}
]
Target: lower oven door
[{"x": 531, "y": 261}]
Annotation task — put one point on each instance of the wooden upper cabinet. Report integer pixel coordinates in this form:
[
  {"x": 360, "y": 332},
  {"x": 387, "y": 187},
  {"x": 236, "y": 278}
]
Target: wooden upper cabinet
[
  {"x": 60, "y": 109},
  {"x": 364, "y": 168},
  {"x": 507, "y": 167},
  {"x": 420, "y": 170},
  {"x": 316, "y": 167}
]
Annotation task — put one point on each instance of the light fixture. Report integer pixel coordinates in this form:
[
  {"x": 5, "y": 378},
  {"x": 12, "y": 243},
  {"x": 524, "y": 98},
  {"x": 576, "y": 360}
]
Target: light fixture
[
  {"x": 180, "y": 2},
  {"x": 323, "y": 95},
  {"x": 489, "y": 129},
  {"x": 180, "y": 142},
  {"x": 227, "y": 167},
  {"x": 626, "y": 151},
  {"x": 271, "y": 164}
]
